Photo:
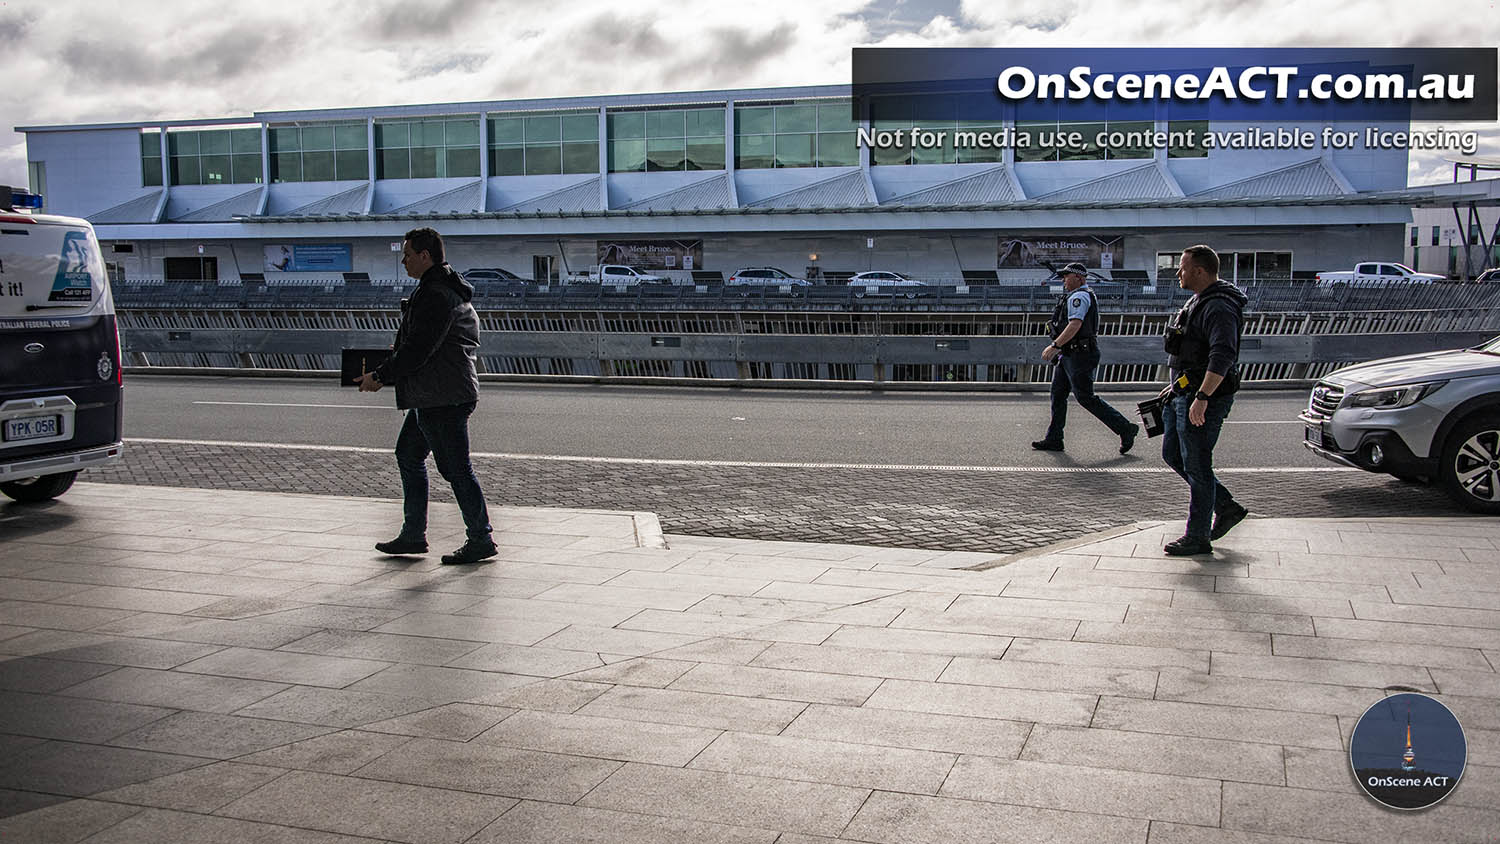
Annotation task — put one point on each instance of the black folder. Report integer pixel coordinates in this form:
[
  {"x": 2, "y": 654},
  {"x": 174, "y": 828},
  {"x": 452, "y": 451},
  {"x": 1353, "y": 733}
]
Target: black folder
[{"x": 357, "y": 362}]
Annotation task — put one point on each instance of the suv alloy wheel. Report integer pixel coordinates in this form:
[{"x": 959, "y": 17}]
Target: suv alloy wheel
[{"x": 1470, "y": 468}]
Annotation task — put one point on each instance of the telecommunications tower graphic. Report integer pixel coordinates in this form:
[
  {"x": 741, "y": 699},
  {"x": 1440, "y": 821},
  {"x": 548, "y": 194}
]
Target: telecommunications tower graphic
[{"x": 1391, "y": 774}]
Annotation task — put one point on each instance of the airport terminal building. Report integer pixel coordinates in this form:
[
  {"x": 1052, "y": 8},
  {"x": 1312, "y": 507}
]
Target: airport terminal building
[{"x": 696, "y": 185}]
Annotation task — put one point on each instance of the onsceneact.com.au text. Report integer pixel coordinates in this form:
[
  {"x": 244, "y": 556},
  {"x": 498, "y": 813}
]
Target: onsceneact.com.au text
[{"x": 1251, "y": 83}]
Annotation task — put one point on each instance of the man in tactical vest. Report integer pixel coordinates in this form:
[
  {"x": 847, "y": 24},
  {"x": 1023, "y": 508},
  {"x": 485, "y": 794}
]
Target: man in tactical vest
[
  {"x": 1203, "y": 342},
  {"x": 1075, "y": 345}
]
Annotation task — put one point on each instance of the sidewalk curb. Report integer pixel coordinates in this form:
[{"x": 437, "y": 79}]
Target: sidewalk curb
[{"x": 1062, "y": 545}]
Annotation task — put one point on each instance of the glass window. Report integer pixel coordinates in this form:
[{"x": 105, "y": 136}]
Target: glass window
[
  {"x": 1089, "y": 150},
  {"x": 666, "y": 124},
  {"x": 245, "y": 142},
  {"x": 796, "y": 119},
  {"x": 393, "y": 164},
  {"x": 349, "y": 136},
  {"x": 1185, "y": 139},
  {"x": 185, "y": 170},
  {"x": 463, "y": 162},
  {"x": 546, "y": 130},
  {"x": 627, "y": 156},
  {"x": 543, "y": 160},
  {"x": 507, "y": 130},
  {"x": 705, "y": 122},
  {"x": 665, "y": 154},
  {"x": 891, "y": 155},
  {"x": 213, "y": 143},
  {"x": 182, "y": 143},
  {"x": 317, "y": 166},
  {"x": 285, "y": 140},
  {"x": 1413, "y": 235},
  {"x": 461, "y": 133},
  {"x": 837, "y": 149},
  {"x": 627, "y": 125},
  {"x": 584, "y": 158},
  {"x": 836, "y": 117},
  {"x": 286, "y": 167},
  {"x": 755, "y": 121},
  {"x": 794, "y": 150},
  {"x": 151, "y": 144},
  {"x": 215, "y": 169},
  {"x": 754, "y": 151},
  {"x": 580, "y": 127},
  {"x": 1029, "y": 139},
  {"x": 507, "y": 160},
  {"x": 1126, "y": 149},
  {"x": 424, "y": 162},
  {"x": 151, "y": 172},
  {"x": 390, "y": 135},
  {"x": 1436, "y": 232},
  {"x": 705, "y": 155},
  {"x": 317, "y": 138},
  {"x": 246, "y": 169},
  {"x": 351, "y": 165}
]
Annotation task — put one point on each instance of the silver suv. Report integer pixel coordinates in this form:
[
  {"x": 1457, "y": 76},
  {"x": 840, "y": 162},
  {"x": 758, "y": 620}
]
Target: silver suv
[{"x": 1429, "y": 417}]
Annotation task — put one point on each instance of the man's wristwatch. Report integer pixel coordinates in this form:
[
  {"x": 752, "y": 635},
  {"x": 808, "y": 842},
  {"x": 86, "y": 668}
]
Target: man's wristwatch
[{"x": 1202, "y": 395}]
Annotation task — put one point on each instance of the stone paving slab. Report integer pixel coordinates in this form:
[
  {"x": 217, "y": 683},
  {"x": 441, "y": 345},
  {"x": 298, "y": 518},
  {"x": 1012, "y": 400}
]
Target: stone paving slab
[{"x": 163, "y": 680}]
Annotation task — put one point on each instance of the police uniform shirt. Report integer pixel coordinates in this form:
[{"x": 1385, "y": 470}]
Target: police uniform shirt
[{"x": 1078, "y": 303}]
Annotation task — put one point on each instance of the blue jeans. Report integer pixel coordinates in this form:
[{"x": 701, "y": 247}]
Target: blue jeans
[
  {"x": 1075, "y": 373},
  {"x": 442, "y": 432},
  {"x": 1189, "y": 450}
]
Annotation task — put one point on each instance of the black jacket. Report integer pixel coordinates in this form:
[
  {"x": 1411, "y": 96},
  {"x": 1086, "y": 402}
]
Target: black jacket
[
  {"x": 1213, "y": 321},
  {"x": 432, "y": 364}
]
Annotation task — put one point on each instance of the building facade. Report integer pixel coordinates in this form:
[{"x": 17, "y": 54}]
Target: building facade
[{"x": 707, "y": 182}]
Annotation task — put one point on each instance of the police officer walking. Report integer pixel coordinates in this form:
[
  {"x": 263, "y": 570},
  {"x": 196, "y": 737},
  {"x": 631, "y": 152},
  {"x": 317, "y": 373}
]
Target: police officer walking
[
  {"x": 1075, "y": 346},
  {"x": 1203, "y": 342}
]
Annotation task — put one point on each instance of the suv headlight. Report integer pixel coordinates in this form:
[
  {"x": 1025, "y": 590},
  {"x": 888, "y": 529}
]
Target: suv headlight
[{"x": 1390, "y": 398}]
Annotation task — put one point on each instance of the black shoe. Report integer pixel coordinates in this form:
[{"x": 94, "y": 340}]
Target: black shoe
[
  {"x": 1047, "y": 445},
  {"x": 1127, "y": 441},
  {"x": 473, "y": 551},
  {"x": 1225, "y": 521},
  {"x": 1187, "y": 546},
  {"x": 400, "y": 547}
]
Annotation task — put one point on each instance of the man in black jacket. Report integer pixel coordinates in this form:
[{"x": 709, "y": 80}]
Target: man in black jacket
[
  {"x": 432, "y": 366},
  {"x": 1204, "y": 347}
]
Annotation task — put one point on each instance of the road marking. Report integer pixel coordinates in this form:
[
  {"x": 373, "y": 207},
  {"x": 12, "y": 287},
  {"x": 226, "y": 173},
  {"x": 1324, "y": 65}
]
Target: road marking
[
  {"x": 1267, "y": 422},
  {"x": 283, "y": 404},
  {"x": 756, "y": 464}
]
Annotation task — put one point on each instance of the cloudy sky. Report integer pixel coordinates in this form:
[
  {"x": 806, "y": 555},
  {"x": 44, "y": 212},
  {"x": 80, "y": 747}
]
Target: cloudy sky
[{"x": 82, "y": 61}]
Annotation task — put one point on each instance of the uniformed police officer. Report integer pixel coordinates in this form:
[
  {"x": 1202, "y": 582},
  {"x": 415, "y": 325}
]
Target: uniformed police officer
[{"x": 1075, "y": 346}]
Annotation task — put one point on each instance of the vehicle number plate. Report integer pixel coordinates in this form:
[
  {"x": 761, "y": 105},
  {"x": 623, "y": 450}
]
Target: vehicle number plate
[
  {"x": 32, "y": 428},
  {"x": 1314, "y": 435}
]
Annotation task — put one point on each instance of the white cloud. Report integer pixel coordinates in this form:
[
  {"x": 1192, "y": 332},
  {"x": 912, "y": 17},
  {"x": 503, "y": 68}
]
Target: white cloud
[{"x": 80, "y": 61}]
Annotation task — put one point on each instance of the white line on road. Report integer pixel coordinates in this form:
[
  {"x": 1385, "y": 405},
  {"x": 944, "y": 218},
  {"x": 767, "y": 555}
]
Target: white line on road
[
  {"x": 1263, "y": 422},
  {"x": 753, "y": 464},
  {"x": 281, "y": 404}
]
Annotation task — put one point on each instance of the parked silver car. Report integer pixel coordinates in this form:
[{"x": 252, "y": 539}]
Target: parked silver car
[
  {"x": 1429, "y": 417},
  {"x": 885, "y": 282}
]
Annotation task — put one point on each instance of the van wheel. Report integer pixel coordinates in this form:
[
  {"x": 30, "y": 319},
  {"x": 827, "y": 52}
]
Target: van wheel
[
  {"x": 1470, "y": 468},
  {"x": 44, "y": 488}
]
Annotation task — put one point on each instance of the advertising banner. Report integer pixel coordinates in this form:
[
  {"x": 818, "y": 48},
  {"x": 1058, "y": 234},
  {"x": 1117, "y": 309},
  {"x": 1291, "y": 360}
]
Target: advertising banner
[
  {"x": 309, "y": 258},
  {"x": 653, "y": 254},
  {"x": 1095, "y": 251}
]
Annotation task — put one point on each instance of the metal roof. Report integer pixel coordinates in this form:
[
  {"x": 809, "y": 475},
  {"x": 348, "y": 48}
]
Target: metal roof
[
  {"x": 463, "y": 199},
  {"x": 713, "y": 192},
  {"x": 1148, "y": 181},
  {"x": 225, "y": 211},
  {"x": 351, "y": 201},
  {"x": 996, "y": 185},
  {"x": 847, "y": 190},
  {"x": 1315, "y": 177},
  {"x": 142, "y": 209},
  {"x": 576, "y": 199}
]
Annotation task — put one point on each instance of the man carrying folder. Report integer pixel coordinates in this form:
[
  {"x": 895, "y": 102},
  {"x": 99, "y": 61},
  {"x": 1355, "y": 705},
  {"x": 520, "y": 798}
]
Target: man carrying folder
[{"x": 432, "y": 366}]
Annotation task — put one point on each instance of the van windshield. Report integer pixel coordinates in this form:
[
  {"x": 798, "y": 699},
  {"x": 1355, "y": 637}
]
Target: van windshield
[{"x": 48, "y": 270}]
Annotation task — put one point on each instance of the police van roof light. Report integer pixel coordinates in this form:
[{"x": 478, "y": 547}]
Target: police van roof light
[{"x": 13, "y": 198}]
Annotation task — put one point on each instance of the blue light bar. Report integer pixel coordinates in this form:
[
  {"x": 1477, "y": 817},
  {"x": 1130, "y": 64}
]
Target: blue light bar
[{"x": 23, "y": 199}]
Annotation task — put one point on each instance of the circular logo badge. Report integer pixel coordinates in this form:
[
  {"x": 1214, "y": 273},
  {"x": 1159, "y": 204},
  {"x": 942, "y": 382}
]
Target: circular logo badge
[
  {"x": 1408, "y": 751},
  {"x": 106, "y": 367}
]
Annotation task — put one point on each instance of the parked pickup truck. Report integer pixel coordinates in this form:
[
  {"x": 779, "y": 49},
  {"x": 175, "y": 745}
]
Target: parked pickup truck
[
  {"x": 1377, "y": 274},
  {"x": 619, "y": 274}
]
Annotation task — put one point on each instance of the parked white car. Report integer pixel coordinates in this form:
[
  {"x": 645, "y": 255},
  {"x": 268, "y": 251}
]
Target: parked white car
[
  {"x": 885, "y": 282},
  {"x": 765, "y": 277},
  {"x": 619, "y": 274},
  {"x": 1376, "y": 274}
]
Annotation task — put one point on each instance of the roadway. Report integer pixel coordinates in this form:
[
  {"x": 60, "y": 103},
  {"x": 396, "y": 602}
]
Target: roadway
[{"x": 756, "y": 425}]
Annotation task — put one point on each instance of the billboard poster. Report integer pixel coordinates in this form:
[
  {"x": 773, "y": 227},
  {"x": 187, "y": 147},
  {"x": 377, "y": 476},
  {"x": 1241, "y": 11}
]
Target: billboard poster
[
  {"x": 309, "y": 258},
  {"x": 653, "y": 254},
  {"x": 1096, "y": 251}
]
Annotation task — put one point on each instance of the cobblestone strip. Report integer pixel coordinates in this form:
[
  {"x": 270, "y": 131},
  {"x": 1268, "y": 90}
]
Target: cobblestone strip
[{"x": 960, "y": 511}]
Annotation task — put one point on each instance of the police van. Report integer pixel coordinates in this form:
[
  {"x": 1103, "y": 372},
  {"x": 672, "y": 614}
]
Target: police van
[{"x": 60, "y": 379}]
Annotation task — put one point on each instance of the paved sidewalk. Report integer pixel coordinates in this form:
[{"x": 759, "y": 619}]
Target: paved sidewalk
[{"x": 196, "y": 665}]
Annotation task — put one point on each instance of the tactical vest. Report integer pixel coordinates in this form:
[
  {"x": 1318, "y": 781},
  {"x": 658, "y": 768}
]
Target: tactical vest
[
  {"x": 1084, "y": 339},
  {"x": 1191, "y": 354}
]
